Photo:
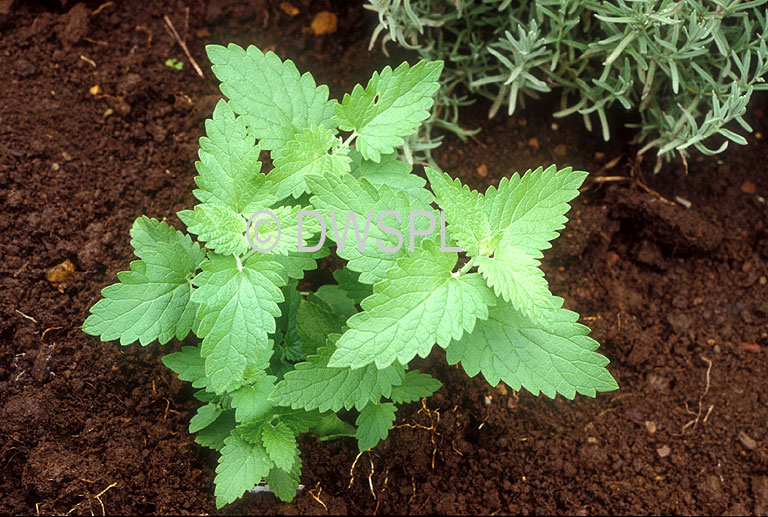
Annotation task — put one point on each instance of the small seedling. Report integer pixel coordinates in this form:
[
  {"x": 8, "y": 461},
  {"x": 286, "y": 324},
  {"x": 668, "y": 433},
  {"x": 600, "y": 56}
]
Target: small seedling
[
  {"x": 174, "y": 63},
  {"x": 273, "y": 361}
]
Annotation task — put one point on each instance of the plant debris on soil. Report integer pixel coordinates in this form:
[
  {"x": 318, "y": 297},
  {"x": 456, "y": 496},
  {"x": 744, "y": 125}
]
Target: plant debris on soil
[{"x": 669, "y": 271}]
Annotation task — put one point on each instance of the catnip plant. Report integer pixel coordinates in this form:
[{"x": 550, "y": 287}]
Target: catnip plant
[{"x": 277, "y": 358}]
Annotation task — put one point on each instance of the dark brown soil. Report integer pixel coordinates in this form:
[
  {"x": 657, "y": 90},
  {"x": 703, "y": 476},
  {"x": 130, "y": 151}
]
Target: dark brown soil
[{"x": 676, "y": 295}]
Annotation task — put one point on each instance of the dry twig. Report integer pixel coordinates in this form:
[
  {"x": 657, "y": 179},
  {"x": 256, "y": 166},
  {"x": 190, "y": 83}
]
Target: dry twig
[{"x": 175, "y": 35}]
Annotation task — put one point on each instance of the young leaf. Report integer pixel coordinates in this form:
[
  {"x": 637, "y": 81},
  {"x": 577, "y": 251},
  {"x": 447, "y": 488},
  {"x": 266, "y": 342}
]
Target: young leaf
[
  {"x": 315, "y": 322},
  {"x": 493, "y": 230},
  {"x": 346, "y": 193},
  {"x": 295, "y": 263},
  {"x": 219, "y": 227},
  {"x": 349, "y": 281},
  {"x": 393, "y": 172},
  {"x": 314, "y": 385},
  {"x": 274, "y": 101},
  {"x": 204, "y": 417},
  {"x": 390, "y": 107},
  {"x": 315, "y": 150},
  {"x": 251, "y": 402},
  {"x": 280, "y": 443},
  {"x": 331, "y": 427},
  {"x": 214, "y": 434},
  {"x": 336, "y": 299},
  {"x": 516, "y": 277},
  {"x": 152, "y": 300},
  {"x": 420, "y": 302},
  {"x": 373, "y": 424},
  {"x": 241, "y": 466},
  {"x": 556, "y": 358},
  {"x": 531, "y": 210},
  {"x": 286, "y": 334},
  {"x": 188, "y": 365},
  {"x": 415, "y": 386},
  {"x": 285, "y": 483},
  {"x": 465, "y": 211},
  {"x": 238, "y": 306},
  {"x": 229, "y": 166}
]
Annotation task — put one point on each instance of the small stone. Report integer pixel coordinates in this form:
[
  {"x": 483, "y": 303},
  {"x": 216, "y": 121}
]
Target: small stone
[
  {"x": 289, "y": 8},
  {"x": 747, "y": 441},
  {"x": 554, "y": 126},
  {"x": 95, "y": 89},
  {"x": 763, "y": 280},
  {"x": 560, "y": 150},
  {"x": 592, "y": 440},
  {"x": 324, "y": 22},
  {"x": 61, "y": 275},
  {"x": 487, "y": 399},
  {"x": 55, "y": 167},
  {"x": 663, "y": 451},
  {"x": 747, "y": 187},
  {"x": 482, "y": 170},
  {"x": 650, "y": 426}
]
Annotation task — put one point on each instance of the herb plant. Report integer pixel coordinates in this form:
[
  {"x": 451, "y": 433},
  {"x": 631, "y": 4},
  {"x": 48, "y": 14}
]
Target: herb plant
[
  {"x": 687, "y": 68},
  {"x": 274, "y": 361}
]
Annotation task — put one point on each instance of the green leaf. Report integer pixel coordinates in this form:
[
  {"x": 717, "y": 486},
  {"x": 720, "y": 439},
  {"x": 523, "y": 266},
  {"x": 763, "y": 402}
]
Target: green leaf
[
  {"x": 331, "y": 427},
  {"x": 415, "y": 386},
  {"x": 421, "y": 302},
  {"x": 335, "y": 298},
  {"x": 204, "y": 417},
  {"x": 152, "y": 300},
  {"x": 188, "y": 365},
  {"x": 273, "y": 100},
  {"x": 465, "y": 211},
  {"x": 349, "y": 281},
  {"x": 530, "y": 210},
  {"x": 516, "y": 277},
  {"x": 286, "y": 334},
  {"x": 390, "y": 107},
  {"x": 280, "y": 443},
  {"x": 314, "y": 385},
  {"x": 284, "y": 483},
  {"x": 346, "y": 193},
  {"x": 238, "y": 306},
  {"x": 299, "y": 420},
  {"x": 556, "y": 358},
  {"x": 315, "y": 322},
  {"x": 315, "y": 150},
  {"x": 373, "y": 424},
  {"x": 392, "y": 172},
  {"x": 251, "y": 402},
  {"x": 214, "y": 434},
  {"x": 295, "y": 263},
  {"x": 219, "y": 227},
  {"x": 229, "y": 166},
  {"x": 241, "y": 466}
]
